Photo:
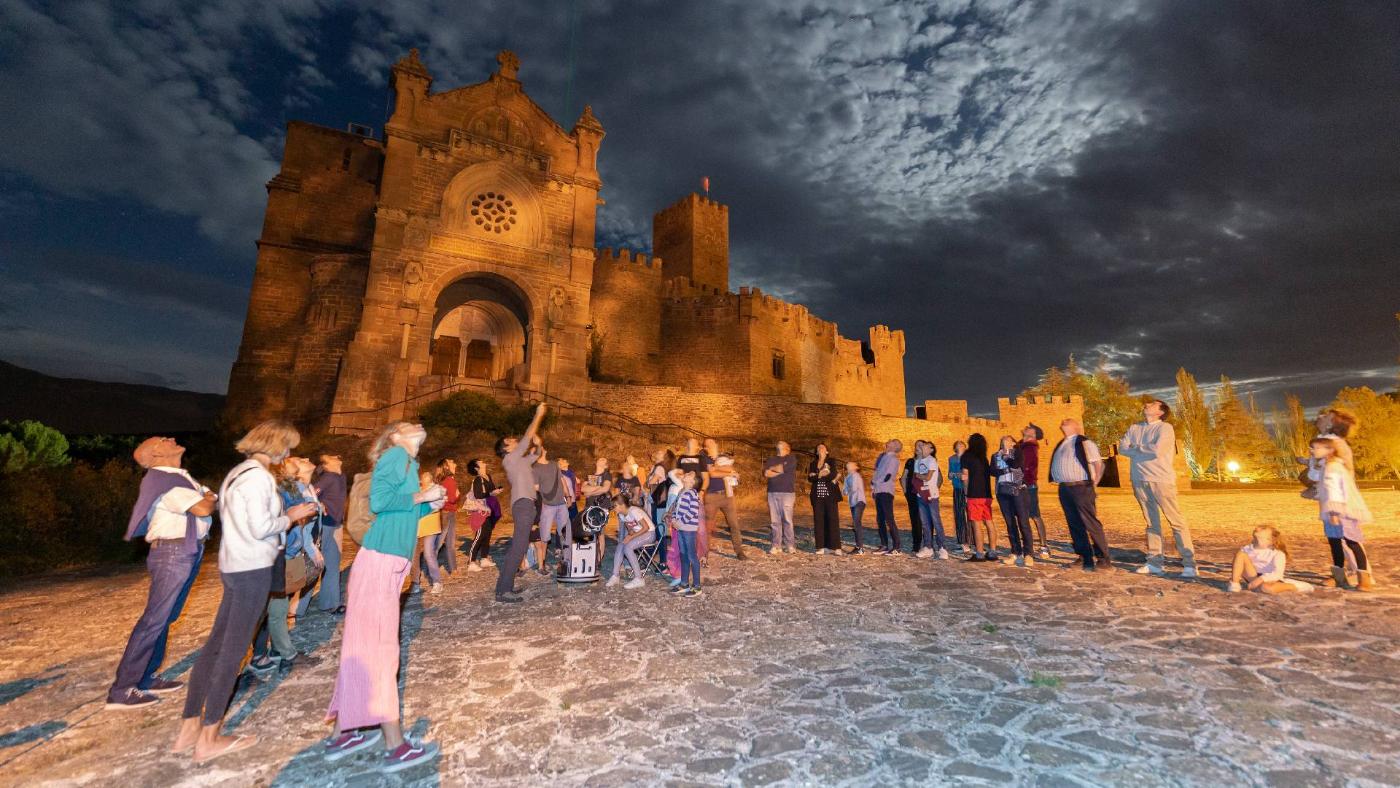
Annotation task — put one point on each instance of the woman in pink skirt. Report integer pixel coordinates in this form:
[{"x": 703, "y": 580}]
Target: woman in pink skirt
[{"x": 367, "y": 689}]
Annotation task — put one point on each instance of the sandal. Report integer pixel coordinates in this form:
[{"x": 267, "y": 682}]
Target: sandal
[{"x": 240, "y": 742}]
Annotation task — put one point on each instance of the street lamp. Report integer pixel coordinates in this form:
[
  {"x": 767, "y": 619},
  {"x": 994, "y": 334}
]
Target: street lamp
[{"x": 1233, "y": 467}]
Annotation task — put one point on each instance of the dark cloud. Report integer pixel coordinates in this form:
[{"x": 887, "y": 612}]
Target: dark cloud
[{"x": 1160, "y": 184}]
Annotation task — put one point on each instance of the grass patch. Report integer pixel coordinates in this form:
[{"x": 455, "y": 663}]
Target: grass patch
[
  {"x": 1039, "y": 679},
  {"x": 990, "y": 629}
]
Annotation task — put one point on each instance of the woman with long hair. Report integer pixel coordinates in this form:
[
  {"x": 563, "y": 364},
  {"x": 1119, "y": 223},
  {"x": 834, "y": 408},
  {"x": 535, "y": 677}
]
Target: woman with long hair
[
  {"x": 977, "y": 481},
  {"x": 484, "y": 491},
  {"x": 960, "y": 526},
  {"x": 366, "y": 688},
  {"x": 1012, "y": 499},
  {"x": 253, "y": 523},
  {"x": 824, "y": 475},
  {"x": 273, "y": 648}
]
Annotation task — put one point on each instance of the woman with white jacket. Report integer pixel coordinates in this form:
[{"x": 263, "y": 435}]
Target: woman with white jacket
[
  {"x": 1343, "y": 511},
  {"x": 253, "y": 523}
]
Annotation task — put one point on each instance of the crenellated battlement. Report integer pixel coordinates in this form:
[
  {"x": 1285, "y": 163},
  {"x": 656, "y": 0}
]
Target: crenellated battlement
[
  {"x": 1049, "y": 399},
  {"x": 694, "y": 201},
  {"x": 626, "y": 257}
]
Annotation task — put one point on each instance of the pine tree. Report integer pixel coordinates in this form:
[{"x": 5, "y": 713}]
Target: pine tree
[
  {"x": 1193, "y": 416},
  {"x": 1241, "y": 436}
]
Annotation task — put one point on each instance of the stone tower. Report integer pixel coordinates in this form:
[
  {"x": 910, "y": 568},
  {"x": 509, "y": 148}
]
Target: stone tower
[{"x": 692, "y": 240}]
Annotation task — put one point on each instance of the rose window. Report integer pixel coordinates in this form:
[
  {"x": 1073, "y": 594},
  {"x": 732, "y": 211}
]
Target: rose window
[{"x": 493, "y": 212}]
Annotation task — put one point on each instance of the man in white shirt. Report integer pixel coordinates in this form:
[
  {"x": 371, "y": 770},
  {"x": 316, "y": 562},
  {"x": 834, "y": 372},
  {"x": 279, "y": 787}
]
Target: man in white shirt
[
  {"x": 1076, "y": 466},
  {"x": 172, "y": 513},
  {"x": 1151, "y": 446}
]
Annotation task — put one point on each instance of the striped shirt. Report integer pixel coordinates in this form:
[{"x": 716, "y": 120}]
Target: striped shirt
[
  {"x": 687, "y": 511},
  {"x": 1065, "y": 467}
]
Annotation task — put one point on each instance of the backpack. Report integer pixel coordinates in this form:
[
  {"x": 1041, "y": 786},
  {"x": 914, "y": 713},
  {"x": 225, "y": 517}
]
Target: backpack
[{"x": 358, "y": 517}]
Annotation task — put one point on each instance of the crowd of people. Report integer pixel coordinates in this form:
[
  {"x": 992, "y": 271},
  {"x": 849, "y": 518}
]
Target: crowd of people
[{"x": 284, "y": 519}]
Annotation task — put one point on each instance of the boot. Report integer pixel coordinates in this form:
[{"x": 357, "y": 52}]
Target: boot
[
  {"x": 1363, "y": 580},
  {"x": 1339, "y": 579}
]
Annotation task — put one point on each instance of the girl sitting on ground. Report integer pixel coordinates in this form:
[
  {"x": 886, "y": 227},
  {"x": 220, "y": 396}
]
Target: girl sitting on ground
[{"x": 1259, "y": 565}]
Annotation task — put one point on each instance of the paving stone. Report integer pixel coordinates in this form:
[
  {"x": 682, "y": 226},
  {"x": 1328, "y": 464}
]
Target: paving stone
[
  {"x": 769, "y": 744},
  {"x": 976, "y": 771},
  {"x": 765, "y": 773},
  {"x": 928, "y": 741}
]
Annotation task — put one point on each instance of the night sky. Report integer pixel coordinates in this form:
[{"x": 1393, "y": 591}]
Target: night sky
[{"x": 1212, "y": 184}]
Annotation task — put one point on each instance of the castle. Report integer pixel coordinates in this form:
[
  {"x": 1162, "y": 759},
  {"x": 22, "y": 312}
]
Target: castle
[{"x": 458, "y": 251}]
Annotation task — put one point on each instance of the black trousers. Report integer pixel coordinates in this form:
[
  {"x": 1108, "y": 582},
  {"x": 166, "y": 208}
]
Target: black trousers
[
  {"x": 884, "y": 518},
  {"x": 1080, "y": 503},
  {"x": 481, "y": 545},
  {"x": 523, "y": 511},
  {"x": 1339, "y": 557},
  {"x": 916, "y": 531},
  {"x": 826, "y": 526},
  {"x": 1015, "y": 510},
  {"x": 215, "y": 673}
]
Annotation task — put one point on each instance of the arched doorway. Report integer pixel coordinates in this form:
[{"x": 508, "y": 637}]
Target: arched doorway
[{"x": 481, "y": 331}]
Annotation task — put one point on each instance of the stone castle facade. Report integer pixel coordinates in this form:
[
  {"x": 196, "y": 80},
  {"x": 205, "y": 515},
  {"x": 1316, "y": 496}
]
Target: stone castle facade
[{"x": 459, "y": 252}]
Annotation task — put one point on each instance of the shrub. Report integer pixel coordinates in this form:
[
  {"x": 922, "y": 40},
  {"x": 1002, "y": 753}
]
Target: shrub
[
  {"x": 66, "y": 516},
  {"x": 29, "y": 444},
  {"x": 467, "y": 411}
]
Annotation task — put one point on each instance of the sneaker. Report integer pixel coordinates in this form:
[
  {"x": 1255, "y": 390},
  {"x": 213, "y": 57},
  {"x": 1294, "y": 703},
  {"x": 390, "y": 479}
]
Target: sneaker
[
  {"x": 351, "y": 742},
  {"x": 976, "y": 559},
  {"x": 407, "y": 756},
  {"x": 775, "y": 551},
  {"x": 991, "y": 556},
  {"x": 613, "y": 581},
  {"x": 1235, "y": 588},
  {"x": 1028, "y": 562},
  {"x": 509, "y": 598},
  {"x": 1008, "y": 559},
  {"x": 1189, "y": 572},
  {"x": 415, "y": 589},
  {"x": 1019, "y": 560},
  {"x": 436, "y": 588},
  {"x": 791, "y": 550},
  {"x": 675, "y": 583},
  {"x": 131, "y": 699},
  {"x": 1148, "y": 569},
  {"x": 160, "y": 686},
  {"x": 942, "y": 554},
  {"x": 924, "y": 552},
  {"x": 857, "y": 551},
  {"x": 261, "y": 666},
  {"x": 694, "y": 592},
  {"x": 473, "y": 567},
  {"x": 635, "y": 584},
  {"x": 679, "y": 589},
  {"x": 1085, "y": 567},
  {"x": 821, "y": 551},
  {"x": 1044, "y": 552},
  {"x": 487, "y": 562}
]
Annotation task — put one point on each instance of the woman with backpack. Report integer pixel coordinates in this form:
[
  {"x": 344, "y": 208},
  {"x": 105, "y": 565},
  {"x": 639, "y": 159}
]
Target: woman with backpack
[
  {"x": 366, "y": 689},
  {"x": 1012, "y": 499}
]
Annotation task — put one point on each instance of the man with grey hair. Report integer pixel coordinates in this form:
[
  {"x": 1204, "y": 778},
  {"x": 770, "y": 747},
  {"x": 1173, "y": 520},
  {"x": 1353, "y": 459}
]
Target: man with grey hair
[
  {"x": 1151, "y": 445},
  {"x": 781, "y": 472},
  {"x": 882, "y": 484},
  {"x": 1076, "y": 466}
]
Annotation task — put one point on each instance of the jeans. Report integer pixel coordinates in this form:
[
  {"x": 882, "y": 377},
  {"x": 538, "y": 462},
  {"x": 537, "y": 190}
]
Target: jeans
[
  {"x": 1158, "y": 500},
  {"x": 960, "y": 526},
  {"x": 916, "y": 534},
  {"x": 690, "y": 562},
  {"x": 426, "y": 550},
  {"x": 216, "y": 671},
  {"x": 932, "y": 521},
  {"x": 1080, "y": 502},
  {"x": 626, "y": 550},
  {"x": 884, "y": 518},
  {"x": 858, "y": 512},
  {"x": 328, "y": 596},
  {"x": 1018, "y": 524},
  {"x": 447, "y": 545},
  {"x": 274, "y": 632},
  {"x": 716, "y": 503},
  {"x": 172, "y": 573},
  {"x": 780, "y": 515},
  {"x": 523, "y": 512}
]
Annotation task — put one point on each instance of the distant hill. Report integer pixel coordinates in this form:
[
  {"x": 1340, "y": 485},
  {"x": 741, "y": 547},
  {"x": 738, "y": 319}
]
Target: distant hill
[{"x": 83, "y": 407}]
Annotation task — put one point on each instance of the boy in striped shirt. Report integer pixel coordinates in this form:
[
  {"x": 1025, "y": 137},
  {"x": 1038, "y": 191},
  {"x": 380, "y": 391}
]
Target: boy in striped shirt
[{"x": 685, "y": 524}]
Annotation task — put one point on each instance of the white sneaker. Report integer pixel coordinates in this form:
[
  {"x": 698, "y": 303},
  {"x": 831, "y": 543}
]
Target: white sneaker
[
  {"x": 776, "y": 551},
  {"x": 791, "y": 550},
  {"x": 614, "y": 580},
  {"x": 942, "y": 554},
  {"x": 821, "y": 551},
  {"x": 924, "y": 552},
  {"x": 1030, "y": 561},
  {"x": 487, "y": 562},
  {"x": 1009, "y": 559},
  {"x": 1235, "y": 588},
  {"x": 635, "y": 583},
  {"x": 1148, "y": 569},
  {"x": 435, "y": 589},
  {"x": 473, "y": 567},
  {"x": 1189, "y": 572}
]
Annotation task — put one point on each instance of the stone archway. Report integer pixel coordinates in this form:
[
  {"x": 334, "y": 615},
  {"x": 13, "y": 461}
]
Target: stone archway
[{"x": 481, "y": 331}]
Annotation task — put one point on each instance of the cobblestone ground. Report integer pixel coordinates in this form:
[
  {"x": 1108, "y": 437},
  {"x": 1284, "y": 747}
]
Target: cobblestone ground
[{"x": 800, "y": 670}]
